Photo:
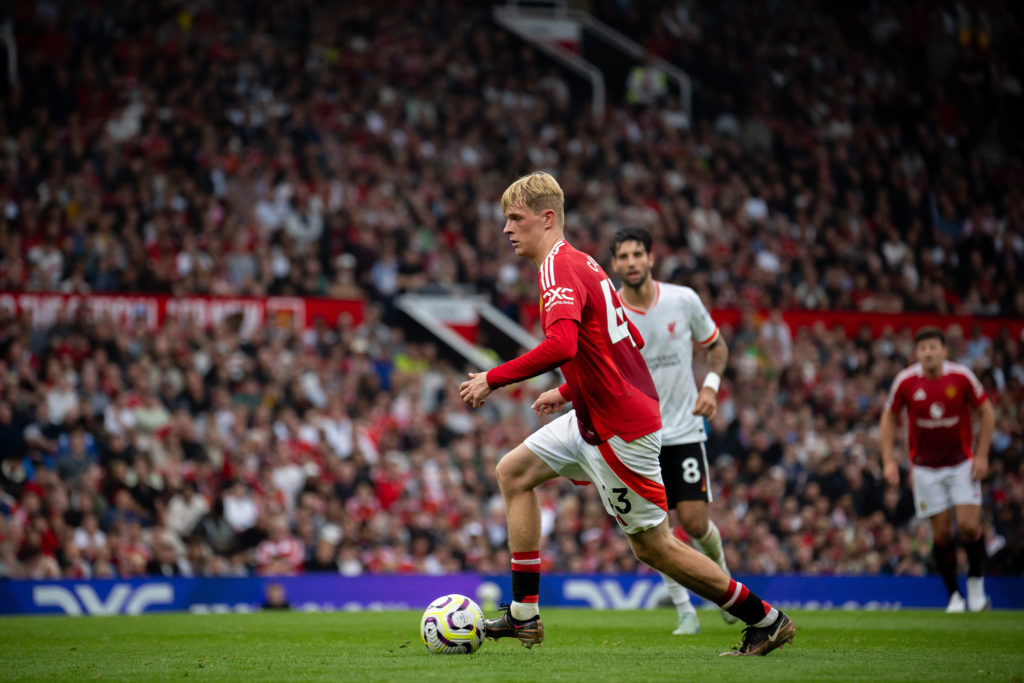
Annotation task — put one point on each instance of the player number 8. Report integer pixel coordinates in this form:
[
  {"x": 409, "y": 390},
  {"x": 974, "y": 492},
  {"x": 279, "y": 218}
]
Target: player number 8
[{"x": 691, "y": 471}]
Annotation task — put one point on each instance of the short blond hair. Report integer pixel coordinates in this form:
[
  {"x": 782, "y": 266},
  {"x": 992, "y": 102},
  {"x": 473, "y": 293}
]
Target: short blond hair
[{"x": 537, "y": 192}]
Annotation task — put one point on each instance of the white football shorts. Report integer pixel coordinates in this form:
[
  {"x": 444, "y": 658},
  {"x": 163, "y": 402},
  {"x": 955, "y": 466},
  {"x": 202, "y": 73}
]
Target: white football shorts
[
  {"x": 627, "y": 473},
  {"x": 940, "y": 488}
]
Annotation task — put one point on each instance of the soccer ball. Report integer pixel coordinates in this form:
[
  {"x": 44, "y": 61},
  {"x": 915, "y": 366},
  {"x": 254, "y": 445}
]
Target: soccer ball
[{"x": 452, "y": 625}]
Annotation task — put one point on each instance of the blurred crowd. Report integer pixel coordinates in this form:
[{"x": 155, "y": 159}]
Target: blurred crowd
[
  {"x": 868, "y": 161},
  {"x": 200, "y": 452},
  {"x": 834, "y": 161}
]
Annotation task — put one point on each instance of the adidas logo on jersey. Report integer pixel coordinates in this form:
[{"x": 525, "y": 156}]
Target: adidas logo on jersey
[{"x": 919, "y": 395}]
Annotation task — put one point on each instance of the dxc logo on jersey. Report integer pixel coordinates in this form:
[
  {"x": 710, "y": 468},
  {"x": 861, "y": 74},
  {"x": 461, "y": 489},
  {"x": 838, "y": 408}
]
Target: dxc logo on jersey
[
  {"x": 122, "y": 599},
  {"x": 557, "y": 295}
]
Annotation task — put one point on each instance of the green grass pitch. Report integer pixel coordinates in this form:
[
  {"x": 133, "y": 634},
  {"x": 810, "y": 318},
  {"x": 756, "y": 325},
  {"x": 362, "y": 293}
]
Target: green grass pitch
[{"x": 581, "y": 645}]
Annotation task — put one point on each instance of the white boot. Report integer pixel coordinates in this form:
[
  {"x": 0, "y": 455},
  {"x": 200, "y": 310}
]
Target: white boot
[
  {"x": 688, "y": 624},
  {"x": 976, "y": 598},
  {"x": 956, "y": 604}
]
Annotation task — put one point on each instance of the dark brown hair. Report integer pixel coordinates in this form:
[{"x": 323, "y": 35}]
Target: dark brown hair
[{"x": 930, "y": 332}]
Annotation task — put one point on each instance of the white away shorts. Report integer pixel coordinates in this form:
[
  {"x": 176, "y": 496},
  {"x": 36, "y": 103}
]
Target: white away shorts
[
  {"x": 627, "y": 473},
  {"x": 940, "y": 488}
]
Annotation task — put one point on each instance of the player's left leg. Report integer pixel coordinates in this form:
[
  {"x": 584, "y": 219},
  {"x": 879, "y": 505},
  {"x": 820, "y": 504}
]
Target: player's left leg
[
  {"x": 687, "y": 622},
  {"x": 684, "y": 467},
  {"x": 704, "y": 534},
  {"x": 933, "y": 502},
  {"x": 965, "y": 494},
  {"x": 630, "y": 478},
  {"x": 688, "y": 463},
  {"x": 676, "y": 462},
  {"x": 767, "y": 627}
]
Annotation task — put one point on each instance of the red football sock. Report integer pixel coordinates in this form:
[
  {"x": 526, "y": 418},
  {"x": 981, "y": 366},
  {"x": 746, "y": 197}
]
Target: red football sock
[{"x": 526, "y": 576}]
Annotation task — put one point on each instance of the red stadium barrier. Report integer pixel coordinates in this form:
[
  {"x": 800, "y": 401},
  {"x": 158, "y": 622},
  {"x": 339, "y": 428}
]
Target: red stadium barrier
[
  {"x": 853, "y": 321},
  {"x": 47, "y": 308}
]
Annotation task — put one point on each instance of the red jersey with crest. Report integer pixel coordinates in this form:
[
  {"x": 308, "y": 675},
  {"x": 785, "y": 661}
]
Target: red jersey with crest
[
  {"x": 938, "y": 412},
  {"x": 607, "y": 381}
]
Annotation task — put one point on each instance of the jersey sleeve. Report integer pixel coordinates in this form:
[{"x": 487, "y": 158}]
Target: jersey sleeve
[
  {"x": 896, "y": 400},
  {"x": 562, "y": 294},
  {"x": 558, "y": 346},
  {"x": 702, "y": 326},
  {"x": 976, "y": 393}
]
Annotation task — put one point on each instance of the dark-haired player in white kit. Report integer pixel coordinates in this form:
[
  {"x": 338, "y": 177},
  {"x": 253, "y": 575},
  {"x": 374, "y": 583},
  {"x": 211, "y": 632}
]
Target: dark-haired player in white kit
[{"x": 671, "y": 318}]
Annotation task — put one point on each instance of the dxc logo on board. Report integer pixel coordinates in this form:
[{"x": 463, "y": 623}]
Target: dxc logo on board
[
  {"x": 609, "y": 594},
  {"x": 122, "y": 599}
]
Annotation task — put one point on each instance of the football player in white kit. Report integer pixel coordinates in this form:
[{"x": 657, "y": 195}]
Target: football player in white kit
[{"x": 670, "y": 318}]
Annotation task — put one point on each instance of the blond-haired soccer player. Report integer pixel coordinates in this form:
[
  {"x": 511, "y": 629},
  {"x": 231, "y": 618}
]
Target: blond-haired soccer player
[
  {"x": 671, "y": 318},
  {"x": 612, "y": 436},
  {"x": 939, "y": 397}
]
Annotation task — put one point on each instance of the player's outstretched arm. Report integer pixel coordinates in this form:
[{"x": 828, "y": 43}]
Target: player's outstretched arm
[{"x": 558, "y": 347}]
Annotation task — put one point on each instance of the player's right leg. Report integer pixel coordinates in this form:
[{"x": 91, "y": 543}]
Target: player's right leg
[
  {"x": 519, "y": 472},
  {"x": 944, "y": 555},
  {"x": 933, "y": 502}
]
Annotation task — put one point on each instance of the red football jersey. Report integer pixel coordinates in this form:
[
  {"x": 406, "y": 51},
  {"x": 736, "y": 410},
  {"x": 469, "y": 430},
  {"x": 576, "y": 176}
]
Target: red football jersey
[
  {"x": 938, "y": 412},
  {"x": 608, "y": 381}
]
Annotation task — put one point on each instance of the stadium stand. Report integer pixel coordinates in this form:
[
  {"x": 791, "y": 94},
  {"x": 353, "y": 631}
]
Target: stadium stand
[{"x": 352, "y": 152}]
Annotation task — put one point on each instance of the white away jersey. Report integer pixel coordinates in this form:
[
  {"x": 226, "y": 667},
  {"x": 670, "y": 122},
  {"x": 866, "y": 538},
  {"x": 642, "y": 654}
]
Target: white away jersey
[{"x": 675, "y": 319}]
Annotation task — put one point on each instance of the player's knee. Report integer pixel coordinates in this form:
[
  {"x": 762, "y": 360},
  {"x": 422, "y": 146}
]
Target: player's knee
[
  {"x": 510, "y": 475},
  {"x": 646, "y": 554},
  {"x": 942, "y": 529},
  {"x": 505, "y": 473},
  {"x": 968, "y": 533},
  {"x": 695, "y": 525},
  {"x": 649, "y": 548}
]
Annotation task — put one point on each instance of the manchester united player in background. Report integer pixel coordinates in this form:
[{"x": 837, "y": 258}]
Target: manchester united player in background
[
  {"x": 610, "y": 438},
  {"x": 939, "y": 397}
]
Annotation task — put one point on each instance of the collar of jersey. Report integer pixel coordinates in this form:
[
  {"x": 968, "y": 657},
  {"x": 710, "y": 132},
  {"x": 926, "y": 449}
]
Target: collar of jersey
[{"x": 643, "y": 311}]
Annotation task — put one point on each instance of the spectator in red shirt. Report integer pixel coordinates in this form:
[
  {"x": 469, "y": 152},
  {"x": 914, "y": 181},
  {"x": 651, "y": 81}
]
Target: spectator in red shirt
[{"x": 280, "y": 553}]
